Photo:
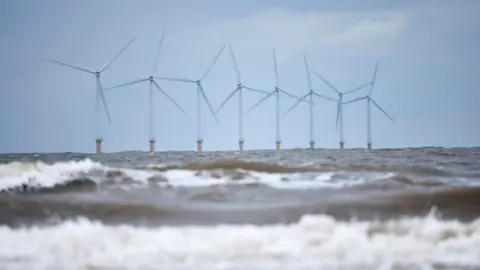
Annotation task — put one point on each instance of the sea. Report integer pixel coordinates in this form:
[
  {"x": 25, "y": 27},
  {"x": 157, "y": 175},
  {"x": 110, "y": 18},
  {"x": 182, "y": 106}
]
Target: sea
[{"x": 411, "y": 208}]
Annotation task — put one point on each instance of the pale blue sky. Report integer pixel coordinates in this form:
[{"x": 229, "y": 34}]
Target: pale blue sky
[{"x": 427, "y": 50}]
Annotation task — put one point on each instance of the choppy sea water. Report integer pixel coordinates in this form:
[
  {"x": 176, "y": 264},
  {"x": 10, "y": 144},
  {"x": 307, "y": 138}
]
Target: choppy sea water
[{"x": 291, "y": 209}]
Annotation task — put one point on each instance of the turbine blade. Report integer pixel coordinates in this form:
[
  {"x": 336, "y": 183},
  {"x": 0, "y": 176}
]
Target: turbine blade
[
  {"x": 309, "y": 79},
  {"x": 293, "y": 96},
  {"x": 256, "y": 90},
  {"x": 104, "y": 101},
  {"x": 276, "y": 68},
  {"x": 355, "y": 100},
  {"x": 213, "y": 62},
  {"x": 226, "y": 100},
  {"x": 324, "y": 97},
  {"x": 116, "y": 56},
  {"x": 295, "y": 105},
  {"x": 239, "y": 79},
  {"x": 176, "y": 79},
  {"x": 208, "y": 103},
  {"x": 168, "y": 96},
  {"x": 288, "y": 94},
  {"x": 380, "y": 108},
  {"x": 125, "y": 84},
  {"x": 373, "y": 79},
  {"x": 260, "y": 101},
  {"x": 357, "y": 88},
  {"x": 159, "y": 53},
  {"x": 338, "y": 114},
  {"x": 71, "y": 66},
  {"x": 325, "y": 81}
]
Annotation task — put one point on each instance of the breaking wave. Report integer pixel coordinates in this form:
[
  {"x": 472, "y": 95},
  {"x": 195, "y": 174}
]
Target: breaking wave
[
  {"x": 87, "y": 174},
  {"x": 315, "y": 242},
  {"x": 19, "y": 176}
]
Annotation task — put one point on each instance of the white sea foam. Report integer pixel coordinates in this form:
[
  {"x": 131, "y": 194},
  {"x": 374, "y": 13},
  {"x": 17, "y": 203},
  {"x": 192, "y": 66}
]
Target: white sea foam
[
  {"x": 40, "y": 174},
  {"x": 187, "y": 178},
  {"x": 315, "y": 242}
]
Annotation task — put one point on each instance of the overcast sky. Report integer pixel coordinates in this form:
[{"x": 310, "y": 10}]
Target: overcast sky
[{"x": 428, "y": 53}]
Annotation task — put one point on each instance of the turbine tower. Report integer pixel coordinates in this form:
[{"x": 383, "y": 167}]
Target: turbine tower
[
  {"x": 100, "y": 96},
  {"x": 239, "y": 90},
  {"x": 200, "y": 95},
  {"x": 370, "y": 100},
  {"x": 340, "y": 105},
  {"x": 276, "y": 91},
  {"x": 310, "y": 94},
  {"x": 152, "y": 83}
]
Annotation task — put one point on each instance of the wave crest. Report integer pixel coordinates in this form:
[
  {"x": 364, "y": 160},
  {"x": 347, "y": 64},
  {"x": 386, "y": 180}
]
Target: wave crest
[{"x": 26, "y": 176}]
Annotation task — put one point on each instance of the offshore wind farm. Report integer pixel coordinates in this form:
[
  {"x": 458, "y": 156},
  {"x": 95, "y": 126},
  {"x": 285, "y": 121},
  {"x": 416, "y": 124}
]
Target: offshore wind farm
[{"x": 277, "y": 92}]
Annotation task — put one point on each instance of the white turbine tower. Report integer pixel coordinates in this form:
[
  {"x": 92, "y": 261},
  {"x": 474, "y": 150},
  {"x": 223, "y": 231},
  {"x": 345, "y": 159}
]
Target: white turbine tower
[
  {"x": 276, "y": 91},
  {"x": 340, "y": 105},
  {"x": 99, "y": 92},
  {"x": 369, "y": 99},
  {"x": 200, "y": 94},
  {"x": 152, "y": 83},
  {"x": 239, "y": 90},
  {"x": 310, "y": 94}
]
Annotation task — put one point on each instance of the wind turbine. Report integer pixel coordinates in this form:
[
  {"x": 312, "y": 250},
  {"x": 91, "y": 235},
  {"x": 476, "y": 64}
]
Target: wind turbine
[
  {"x": 239, "y": 90},
  {"x": 276, "y": 91},
  {"x": 369, "y": 99},
  {"x": 99, "y": 92},
  {"x": 340, "y": 104},
  {"x": 310, "y": 94},
  {"x": 200, "y": 94},
  {"x": 152, "y": 83}
]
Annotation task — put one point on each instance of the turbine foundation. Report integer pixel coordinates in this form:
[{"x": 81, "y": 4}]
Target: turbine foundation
[
  {"x": 369, "y": 146},
  {"x": 312, "y": 145},
  {"x": 342, "y": 145},
  {"x": 199, "y": 146},
  {"x": 240, "y": 145},
  {"x": 152, "y": 145},
  {"x": 99, "y": 142},
  {"x": 278, "y": 145}
]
